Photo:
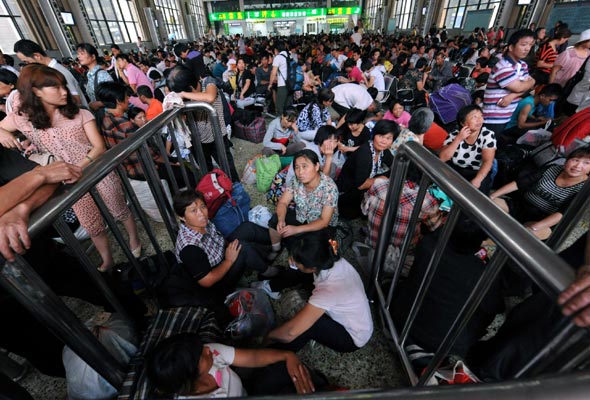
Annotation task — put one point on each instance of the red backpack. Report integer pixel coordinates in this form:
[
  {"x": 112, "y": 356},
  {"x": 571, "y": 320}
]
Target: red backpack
[{"x": 216, "y": 186}]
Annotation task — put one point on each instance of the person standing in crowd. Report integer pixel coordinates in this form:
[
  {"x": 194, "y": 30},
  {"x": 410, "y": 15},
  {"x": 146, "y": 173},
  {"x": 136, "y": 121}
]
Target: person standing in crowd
[
  {"x": 131, "y": 75},
  {"x": 47, "y": 115},
  {"x": 570, "y": 61},
  {"x": 279, "y": 76},
  {"x": 547, "y": 54},
  {"x": 30, "y": 52},
  {"x": 508, "y": 82},
  {"x": 88, "y": 57}
]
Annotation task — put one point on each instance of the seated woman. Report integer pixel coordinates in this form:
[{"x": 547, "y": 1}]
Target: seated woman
[
  {"x": 282, "y": 135},
  {"x": 202, "y": 250},
  {"x": 315, "y": 196},
  {"x": 325, "y": 146},
  {"x": 544, "y": 195},
  {"x": 337, "y": 314},
  {"x": 371, "y": 161},
  {"x": 354, "y": 133},
  {"x": 315, "y": 114},
  {"x": 398, "y": 114},
  {"x": 182, "y": 365},
  {"x": 245, "y": 85},
  {"x": 414, "y": 80},
  {"x": 471, "y": 149}
]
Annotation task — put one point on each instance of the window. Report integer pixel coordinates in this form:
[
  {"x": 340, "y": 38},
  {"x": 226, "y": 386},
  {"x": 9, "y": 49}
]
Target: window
[
  {"x": 454, "y": 11},
  {"x": 113, "y": 21},
  {"x": 374, "y": 14},
  {"x": 403, "y": 12},
  {"x": 172, "y": 19},
  {"x": 12, "y": 25},
  {"x": 196, "y": 8}
]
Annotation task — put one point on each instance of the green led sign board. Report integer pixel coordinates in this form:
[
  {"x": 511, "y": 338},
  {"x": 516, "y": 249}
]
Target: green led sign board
[
  {"x": 343, "y": 11},
  {"x": 278, "y": 14}
]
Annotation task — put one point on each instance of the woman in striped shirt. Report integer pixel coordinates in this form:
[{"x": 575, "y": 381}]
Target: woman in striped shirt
[
  {"x": 547, "y": 54},
  {"x": 544, "y": 195}
]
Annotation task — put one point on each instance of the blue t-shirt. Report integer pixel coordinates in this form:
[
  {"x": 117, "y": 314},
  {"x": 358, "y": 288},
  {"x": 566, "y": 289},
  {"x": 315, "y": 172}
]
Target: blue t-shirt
[{"x": 530, "y": 100}]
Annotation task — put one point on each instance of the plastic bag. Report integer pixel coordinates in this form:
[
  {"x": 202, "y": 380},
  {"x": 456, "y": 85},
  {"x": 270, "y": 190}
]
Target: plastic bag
[
  {"x": 260, "y": 215},
  {"x": 266, "y": 169},
  {"x": 535, "y": 137},
  {"x": 113, "y": 332},
  {"x": 453, "y": 375},
  {"x": 249, "y": 175},
  {"x": 255, "y": 316},
  {"x": 146, "y": 198}
]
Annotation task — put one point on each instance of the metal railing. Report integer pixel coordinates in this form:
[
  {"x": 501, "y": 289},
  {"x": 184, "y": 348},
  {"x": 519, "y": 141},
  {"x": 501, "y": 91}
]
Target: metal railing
[
  {"x": 20, "y": 279},
  {"x": 513, "y": 241},
  {"x": 536, "y": 259}
]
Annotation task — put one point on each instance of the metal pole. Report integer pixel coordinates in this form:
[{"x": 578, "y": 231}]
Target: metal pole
[
  {"x": 22, "y": 282},
  {"x": 447, "y": 230},
  {"x": 70, "y": 240},
  {"x": 396, "y": 183},
  {"x": 409, "y": 236},
  {"x": 579, "y": 206},
  {"x": 475, "y": 297}
]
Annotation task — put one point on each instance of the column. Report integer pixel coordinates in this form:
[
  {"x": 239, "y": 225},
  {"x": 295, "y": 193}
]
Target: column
[{"x": 244, "y": 23}]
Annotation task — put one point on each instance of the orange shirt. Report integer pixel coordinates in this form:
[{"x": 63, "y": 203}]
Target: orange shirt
[
  {"x": 153, "y": 110},
  {"x": 435, "y": 137}
]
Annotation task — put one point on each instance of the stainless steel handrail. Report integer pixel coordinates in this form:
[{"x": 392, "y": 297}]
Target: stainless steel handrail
[
  {"x": 21, "y": 280},
  {"x": 536, "y": 259}
]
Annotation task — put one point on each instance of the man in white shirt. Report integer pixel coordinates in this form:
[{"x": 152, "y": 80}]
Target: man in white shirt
[
  {"x": 30, "y": 52},
  {"x": 356, "y": 37},
  {"x": 278, "y": 75}
]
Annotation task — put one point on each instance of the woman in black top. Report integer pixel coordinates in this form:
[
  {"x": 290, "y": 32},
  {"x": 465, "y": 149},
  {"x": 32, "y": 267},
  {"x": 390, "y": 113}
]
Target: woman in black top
[
  {"x": 354, "y": 133},
  {"x": 245, "y": 86},
  {"x": 371, "y": 161}
]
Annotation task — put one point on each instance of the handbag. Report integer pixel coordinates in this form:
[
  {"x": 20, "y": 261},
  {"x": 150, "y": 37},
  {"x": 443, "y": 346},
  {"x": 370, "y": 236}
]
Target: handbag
[{"x": 233, "y": 212}]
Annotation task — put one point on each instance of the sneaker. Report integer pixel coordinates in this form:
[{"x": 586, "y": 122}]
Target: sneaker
[{"x": 265, "y": 287}]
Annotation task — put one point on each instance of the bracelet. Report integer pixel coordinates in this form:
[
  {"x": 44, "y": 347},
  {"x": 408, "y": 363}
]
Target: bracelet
[
  {"x": 89, "y": 158},
  {"x": 533, "y": 228}
]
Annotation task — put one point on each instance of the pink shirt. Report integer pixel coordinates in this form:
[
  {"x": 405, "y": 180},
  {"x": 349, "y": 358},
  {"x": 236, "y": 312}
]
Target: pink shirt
[
  {"x": 570, "y": 63},
  {"x": 138, "y": 78},
  {"x": 404, "y": 119},
  {"x": 355, "y": 74}
]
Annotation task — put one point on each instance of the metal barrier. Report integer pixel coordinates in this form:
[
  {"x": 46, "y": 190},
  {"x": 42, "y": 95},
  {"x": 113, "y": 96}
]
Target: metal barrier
[
  {"x": 21, "y": 280},
  {"x": 536, "y": 259},
  {"x": 513, "y": 241}
]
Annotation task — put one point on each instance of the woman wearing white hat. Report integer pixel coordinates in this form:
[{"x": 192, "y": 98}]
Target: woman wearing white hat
[{"x": 569, "y": 62}]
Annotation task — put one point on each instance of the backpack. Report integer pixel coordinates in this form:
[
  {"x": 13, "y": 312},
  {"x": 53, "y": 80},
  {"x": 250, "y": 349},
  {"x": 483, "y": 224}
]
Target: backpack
[
  {"x": 216, "y": 186},
  {"x": 291, "y": 78}
]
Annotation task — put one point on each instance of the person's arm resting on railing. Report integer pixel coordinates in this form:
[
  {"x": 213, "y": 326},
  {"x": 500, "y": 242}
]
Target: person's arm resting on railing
[{"x": 24, "y": 194}]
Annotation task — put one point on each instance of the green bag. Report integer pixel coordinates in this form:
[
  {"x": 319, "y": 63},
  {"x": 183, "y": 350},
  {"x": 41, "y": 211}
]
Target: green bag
[{"x": 266, "y": 169}]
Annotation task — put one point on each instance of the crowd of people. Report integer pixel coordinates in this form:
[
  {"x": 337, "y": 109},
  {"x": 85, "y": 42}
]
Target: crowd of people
[{"x": 342, "y": 126}]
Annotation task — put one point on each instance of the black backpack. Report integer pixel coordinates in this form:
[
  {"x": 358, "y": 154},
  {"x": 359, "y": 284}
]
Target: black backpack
[{"x": 291, "y": 78}]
